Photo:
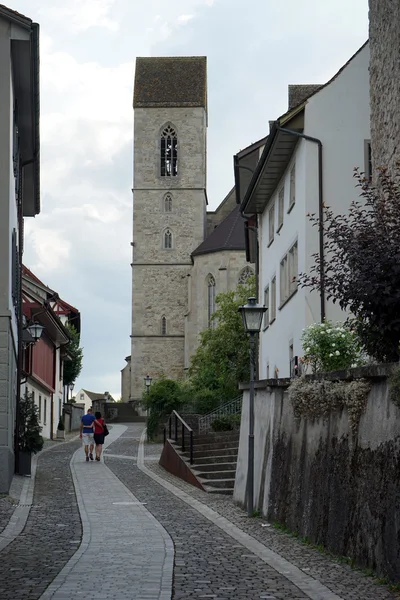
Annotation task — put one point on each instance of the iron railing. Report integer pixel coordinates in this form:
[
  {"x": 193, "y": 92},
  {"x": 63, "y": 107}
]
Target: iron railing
[
  {"x": 173, "y": 432},
  {"x": 233, "y": 407}
]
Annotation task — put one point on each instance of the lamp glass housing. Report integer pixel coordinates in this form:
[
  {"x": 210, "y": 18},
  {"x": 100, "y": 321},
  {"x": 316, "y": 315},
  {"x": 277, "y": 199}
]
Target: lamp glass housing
[{"x": 252, "y": 315}]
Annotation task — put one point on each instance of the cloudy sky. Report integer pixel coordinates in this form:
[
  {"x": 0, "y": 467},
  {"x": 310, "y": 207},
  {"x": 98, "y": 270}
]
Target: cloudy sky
[{"x": 79, "y": 245}]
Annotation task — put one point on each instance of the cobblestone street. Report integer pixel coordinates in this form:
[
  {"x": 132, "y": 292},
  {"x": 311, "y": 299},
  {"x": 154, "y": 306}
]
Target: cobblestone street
[{"x": 132, "y": 531}]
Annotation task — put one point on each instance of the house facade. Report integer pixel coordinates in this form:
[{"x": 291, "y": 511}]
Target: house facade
[
  {"x": 307, "y": 163},
  {"x": 43, "y": 361},
  {"x": 20, "y": 194}
]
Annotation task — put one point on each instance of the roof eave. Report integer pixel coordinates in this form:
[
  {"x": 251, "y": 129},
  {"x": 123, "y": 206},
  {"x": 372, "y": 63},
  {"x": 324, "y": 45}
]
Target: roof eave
[{"x": 273, "y": 162}]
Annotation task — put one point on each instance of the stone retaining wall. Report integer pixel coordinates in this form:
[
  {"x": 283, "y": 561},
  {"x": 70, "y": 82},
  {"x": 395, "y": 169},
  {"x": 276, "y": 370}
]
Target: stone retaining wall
[{"x": 323, "y": 483}]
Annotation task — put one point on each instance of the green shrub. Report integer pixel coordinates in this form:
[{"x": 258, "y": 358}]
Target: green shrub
[
  {"x": 30, "y": 439},
  {"x": 330, "y": 347},
  {"x": 206, "y": 400},
  {"x": 226, "y": 423},
  {"x": 60, "y": 425},
  {"x": 394, "y": 386}
]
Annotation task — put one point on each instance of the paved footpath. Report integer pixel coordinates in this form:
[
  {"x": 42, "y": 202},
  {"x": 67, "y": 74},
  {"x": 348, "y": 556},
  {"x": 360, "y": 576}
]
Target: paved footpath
[
  {"x": 125, "y": 552},
  {"x": 126, "y": 529}
]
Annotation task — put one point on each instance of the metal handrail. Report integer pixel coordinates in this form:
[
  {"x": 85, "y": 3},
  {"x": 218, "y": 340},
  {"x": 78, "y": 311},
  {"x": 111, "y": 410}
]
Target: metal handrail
[
  {"x": 176, "y": 417},
  {"x": 232, "y": 407}
]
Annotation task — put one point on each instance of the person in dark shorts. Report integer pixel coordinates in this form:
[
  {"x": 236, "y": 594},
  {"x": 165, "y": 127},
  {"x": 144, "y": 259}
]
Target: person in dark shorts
[{"x": 98, "y": 434}]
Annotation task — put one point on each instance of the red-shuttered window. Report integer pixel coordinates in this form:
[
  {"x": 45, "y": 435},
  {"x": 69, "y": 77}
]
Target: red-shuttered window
[{"x": 43, "y": 362}]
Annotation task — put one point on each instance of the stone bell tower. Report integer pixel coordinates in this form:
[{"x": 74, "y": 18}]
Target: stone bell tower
[{"x": 169, "y": 208}]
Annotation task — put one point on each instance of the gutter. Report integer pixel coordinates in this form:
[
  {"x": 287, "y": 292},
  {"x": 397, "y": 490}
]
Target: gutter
[
  {"x": 36, "y": 105},
  {"x": 320, "y": 211}
]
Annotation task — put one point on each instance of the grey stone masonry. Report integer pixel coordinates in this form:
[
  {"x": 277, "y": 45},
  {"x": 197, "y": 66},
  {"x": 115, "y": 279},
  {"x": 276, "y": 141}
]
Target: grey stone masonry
[
  {"x": 159, "y": 273},
  {"x": 384, "y": 34}
]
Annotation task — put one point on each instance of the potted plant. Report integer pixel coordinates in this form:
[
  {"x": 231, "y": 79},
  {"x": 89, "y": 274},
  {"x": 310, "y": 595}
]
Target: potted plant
[
  {"x": 29, "y": 439},
  {"x": 60, "y": 429}
]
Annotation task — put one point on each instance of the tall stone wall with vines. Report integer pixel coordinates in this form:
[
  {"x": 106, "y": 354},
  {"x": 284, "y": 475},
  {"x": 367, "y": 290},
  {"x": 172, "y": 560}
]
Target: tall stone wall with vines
[{"x": 328, "y": 462}]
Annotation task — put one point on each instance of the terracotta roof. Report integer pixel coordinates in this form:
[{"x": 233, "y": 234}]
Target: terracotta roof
[
  {"x": 171, "y": 81},
  {"x": 228, "y": 235}
]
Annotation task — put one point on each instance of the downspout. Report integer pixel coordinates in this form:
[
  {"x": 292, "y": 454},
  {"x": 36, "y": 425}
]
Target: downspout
[{"x": 320, "y": 212}]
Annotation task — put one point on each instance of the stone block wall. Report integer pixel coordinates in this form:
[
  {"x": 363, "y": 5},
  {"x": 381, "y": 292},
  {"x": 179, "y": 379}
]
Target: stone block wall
[
  {"x": 336, "y": 489},
  {"x": 8, "y": 387},
  {"x": 384, "y": 33}
]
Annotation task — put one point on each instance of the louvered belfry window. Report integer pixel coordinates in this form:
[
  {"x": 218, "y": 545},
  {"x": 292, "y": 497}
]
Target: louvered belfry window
[{"x": 169, "y": 152}]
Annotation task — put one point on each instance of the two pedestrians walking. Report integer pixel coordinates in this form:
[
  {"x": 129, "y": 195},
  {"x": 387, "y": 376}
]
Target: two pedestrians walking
[{"x": 92, "y": 431}]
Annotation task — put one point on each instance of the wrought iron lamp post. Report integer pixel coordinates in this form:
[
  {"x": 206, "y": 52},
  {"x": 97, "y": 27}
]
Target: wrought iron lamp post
[
  {"x": 71, "y": 387},
  {"x": 252, "y": 315},
  {"x": 147, "y": 381}
]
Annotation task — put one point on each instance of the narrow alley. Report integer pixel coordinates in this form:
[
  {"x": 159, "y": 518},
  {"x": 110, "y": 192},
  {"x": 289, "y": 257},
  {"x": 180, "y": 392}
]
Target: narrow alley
[{"x": 125, "y": 529}]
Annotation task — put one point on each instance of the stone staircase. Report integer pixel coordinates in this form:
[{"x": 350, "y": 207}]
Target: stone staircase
[{"x": 214, "y": 461}]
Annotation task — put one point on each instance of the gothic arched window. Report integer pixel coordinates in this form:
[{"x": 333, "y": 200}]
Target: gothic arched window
[
  {"x": 168, "y": 203},
  {"x": 245, "y": 275},
  {"x": 210, "y": 298},
  {"x": 163, "y": 325},
  {"x": 167, "y": 240},
  {"x": 169, "y": 152}
]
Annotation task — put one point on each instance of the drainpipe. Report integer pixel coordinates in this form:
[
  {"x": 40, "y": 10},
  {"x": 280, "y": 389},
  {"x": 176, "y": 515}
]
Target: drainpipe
[{"x": 320, "y": 212}]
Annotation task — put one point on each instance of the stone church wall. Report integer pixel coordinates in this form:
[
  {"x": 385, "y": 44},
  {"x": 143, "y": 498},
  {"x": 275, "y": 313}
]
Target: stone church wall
[
  {"x": 384, "y": 33},
  {"x": 225, "y": 267}
]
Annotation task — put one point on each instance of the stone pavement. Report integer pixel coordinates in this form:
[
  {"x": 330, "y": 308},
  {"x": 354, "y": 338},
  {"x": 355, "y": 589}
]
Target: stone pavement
[
  {"x": 101, "y": 542},
  {"x": 125, "y": 553}
]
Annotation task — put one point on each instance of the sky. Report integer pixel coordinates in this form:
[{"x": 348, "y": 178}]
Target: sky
[{"x": 79, "y": 244}]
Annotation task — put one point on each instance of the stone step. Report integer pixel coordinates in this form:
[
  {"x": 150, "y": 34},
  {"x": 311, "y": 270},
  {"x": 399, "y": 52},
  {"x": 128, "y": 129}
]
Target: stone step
[
  {"x": 226, "y": 483},
  {"x": 212, "y": 475},
  {"x": 210, "y": 460},
  {"x": 216, "y": 466},
  {"x": 217, "y": 452},
  {"x": 224, "y": 491},
  {"x": 216, "y": 436},
  {"x": 215, "y": 446}
]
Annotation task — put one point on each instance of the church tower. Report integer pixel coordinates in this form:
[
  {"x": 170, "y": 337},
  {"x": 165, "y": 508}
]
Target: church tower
[{"x": 169, "y": 208}]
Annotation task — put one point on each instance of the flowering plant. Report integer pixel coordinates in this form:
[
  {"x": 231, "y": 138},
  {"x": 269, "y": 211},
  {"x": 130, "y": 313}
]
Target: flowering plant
[{"x": 330, "y": 347}]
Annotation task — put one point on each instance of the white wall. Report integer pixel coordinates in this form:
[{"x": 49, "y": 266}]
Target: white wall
[
  {"x": 290, "y": 319},
  {"x": 42, "y": 400},
  {"x": 338, "y": 115}
]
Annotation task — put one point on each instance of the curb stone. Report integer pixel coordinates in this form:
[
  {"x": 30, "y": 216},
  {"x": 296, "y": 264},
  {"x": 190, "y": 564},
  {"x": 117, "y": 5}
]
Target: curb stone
[{"x": 314, "y": 589}]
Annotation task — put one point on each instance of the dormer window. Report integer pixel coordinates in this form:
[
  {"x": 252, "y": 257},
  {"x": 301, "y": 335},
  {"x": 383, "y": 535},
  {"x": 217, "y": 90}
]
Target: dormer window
[{"x": 169, "y": 152}]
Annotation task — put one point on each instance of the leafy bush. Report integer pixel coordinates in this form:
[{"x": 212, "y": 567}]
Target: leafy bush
[
  {"x": 330, "y": 347},
  {"x": 361, "y": 266},
  {"x": 226, "y": 423},
  {"x": 164, "y": 396},
  {"x": 206, "y": 400},
  {"x": 316, "y": 399},
  {"x": 29, "y": 428},
  {"x": 60, "y": 425}
]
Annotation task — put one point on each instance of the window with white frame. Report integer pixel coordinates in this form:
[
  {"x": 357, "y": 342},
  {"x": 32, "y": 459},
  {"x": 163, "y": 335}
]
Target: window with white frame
[
  {"x": 271, "y": 224},
  {"x": 288, "y": 274},
  {"x": 167, "y": 239},
  {"x": 273, "y": 301},
  {"x": 292, "y": 191},
  {"x": 168, "y": 203},
  {"x": 210, "y": 299},
  {"x": 169, "y": 152},
  {"x": 266, "y": 304},
  {"x": 163, "y": 325},
  {"x": 281, "y": 203}
]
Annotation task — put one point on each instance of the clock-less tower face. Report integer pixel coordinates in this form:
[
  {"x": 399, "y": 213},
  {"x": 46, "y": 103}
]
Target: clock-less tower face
[{"x": 169, "y": 208}]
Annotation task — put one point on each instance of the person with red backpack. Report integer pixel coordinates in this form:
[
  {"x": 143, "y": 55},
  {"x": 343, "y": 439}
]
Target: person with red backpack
[{"x": 100, "y": 431}]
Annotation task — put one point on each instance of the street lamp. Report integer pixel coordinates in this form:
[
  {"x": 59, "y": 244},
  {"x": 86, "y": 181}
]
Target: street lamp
[
  {"x": 252, "y": 315},
  {"x": 71, "y": 387},
  {"x": 147, "y": 382},
  {"x": 35, "y": 331}
]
